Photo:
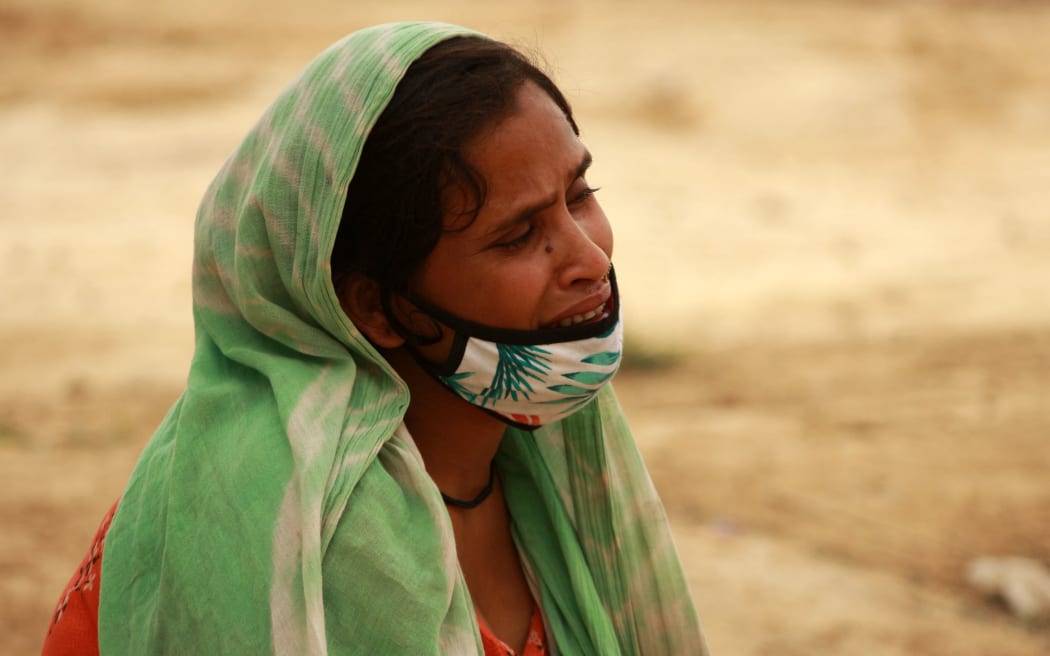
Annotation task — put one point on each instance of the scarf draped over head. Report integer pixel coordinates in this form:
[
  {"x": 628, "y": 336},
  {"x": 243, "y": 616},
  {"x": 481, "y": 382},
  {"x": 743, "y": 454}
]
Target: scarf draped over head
[{"x": 282, "y": 507}]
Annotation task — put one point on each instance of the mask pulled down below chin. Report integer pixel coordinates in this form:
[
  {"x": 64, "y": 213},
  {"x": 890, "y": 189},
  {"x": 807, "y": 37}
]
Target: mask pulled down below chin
[{"x": 528, "y": 378}]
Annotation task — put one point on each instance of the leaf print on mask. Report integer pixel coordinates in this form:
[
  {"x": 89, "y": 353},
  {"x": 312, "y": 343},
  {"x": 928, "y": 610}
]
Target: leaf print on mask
[
  {"x": 517, "y": 364},
  {"x": 455, "y": 384},
  {"x": 593, "y": 378},
  {"x": 603, "y": 358},
  {"x": 569, "y": 390}
]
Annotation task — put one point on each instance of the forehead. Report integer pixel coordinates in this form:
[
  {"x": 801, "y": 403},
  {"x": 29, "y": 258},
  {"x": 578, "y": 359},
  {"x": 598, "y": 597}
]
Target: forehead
[
  {"x": 533, "y": 122},
  {"x": 529, "y": 149}
]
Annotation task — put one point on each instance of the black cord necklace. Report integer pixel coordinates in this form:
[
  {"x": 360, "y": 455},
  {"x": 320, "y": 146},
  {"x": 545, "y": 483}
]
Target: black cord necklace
[{"x": 476, "y": 501}]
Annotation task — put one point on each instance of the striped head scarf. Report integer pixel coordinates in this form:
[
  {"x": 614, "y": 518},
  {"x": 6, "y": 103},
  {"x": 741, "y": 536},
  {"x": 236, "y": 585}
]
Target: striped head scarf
[{"x": 282, "y": 507}]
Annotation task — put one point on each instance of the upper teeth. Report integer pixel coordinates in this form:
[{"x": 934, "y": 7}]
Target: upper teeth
[{"x": 580, "y": 318}]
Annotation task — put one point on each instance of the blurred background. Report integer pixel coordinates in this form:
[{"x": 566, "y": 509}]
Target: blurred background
[{"x": 833, "y": 241}]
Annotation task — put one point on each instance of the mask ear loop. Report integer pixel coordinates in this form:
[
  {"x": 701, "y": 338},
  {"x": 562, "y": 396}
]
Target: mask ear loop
[
  {"x": 402, "y": 330},
  {"x": 413, "y": 342}
]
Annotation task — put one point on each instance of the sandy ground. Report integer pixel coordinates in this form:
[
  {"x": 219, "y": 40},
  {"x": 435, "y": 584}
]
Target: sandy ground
[{"x": 832, "y": 237}]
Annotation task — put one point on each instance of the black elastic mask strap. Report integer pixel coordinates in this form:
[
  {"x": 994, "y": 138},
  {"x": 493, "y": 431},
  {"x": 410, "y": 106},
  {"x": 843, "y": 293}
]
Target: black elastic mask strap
[{"x": 522, "y": 337}]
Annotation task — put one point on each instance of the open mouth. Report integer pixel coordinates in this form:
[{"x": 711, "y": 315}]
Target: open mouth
[{"x": 596, "y": 314}]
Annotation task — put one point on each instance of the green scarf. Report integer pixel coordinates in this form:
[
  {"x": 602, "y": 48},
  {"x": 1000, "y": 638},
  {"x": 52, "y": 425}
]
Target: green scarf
[{"x": 282, "y": 507}]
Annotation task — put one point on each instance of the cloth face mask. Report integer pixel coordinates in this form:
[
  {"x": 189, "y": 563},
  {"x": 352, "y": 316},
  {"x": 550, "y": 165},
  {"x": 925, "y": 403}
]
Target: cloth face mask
[{"x": 528, "y": 378}]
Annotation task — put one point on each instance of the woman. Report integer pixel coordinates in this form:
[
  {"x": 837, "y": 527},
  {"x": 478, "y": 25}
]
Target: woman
[{"x": 397, "y": 436}]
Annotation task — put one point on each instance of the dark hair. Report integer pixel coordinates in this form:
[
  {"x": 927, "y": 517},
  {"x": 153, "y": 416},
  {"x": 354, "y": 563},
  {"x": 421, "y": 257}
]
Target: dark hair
[{"x": 393, "y": 215}]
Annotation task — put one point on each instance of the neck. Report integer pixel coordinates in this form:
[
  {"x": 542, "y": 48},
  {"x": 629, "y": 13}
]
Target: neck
[{"x": 456, "y": 439}]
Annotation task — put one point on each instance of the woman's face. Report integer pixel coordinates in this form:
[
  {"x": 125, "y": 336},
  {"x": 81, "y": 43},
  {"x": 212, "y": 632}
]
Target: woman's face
[{"x": 538, "y": 252}]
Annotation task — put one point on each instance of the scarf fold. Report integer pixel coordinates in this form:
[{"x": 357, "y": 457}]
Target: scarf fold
[{"x": 281, "y": 507}]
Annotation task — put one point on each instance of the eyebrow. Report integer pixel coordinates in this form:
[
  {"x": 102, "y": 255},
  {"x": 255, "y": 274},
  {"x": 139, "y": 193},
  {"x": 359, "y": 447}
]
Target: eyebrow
[{"x": 524, "y": 214}]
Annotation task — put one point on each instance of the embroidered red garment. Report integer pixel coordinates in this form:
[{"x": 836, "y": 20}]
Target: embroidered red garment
[
  {"x": 74, "y": 625},
  {"x": 534, "y": 643}
]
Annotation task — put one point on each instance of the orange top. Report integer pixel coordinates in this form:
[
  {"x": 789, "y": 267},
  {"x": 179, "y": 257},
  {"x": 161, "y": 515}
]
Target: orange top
[
  {"x": 534, "y": 644},
  {"x": 74, "y": 625}
]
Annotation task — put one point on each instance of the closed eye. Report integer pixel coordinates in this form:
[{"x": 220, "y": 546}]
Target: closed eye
[
  {"x": 516, "y": 242},
  {"x": 584, "y": 195}
]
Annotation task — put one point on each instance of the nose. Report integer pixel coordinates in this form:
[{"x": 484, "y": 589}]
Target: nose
[{"x": 584, "y": 250}]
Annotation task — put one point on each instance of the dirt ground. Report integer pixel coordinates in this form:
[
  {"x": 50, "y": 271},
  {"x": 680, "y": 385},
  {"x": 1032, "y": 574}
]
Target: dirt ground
[{"x": 833, "y": 241}]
